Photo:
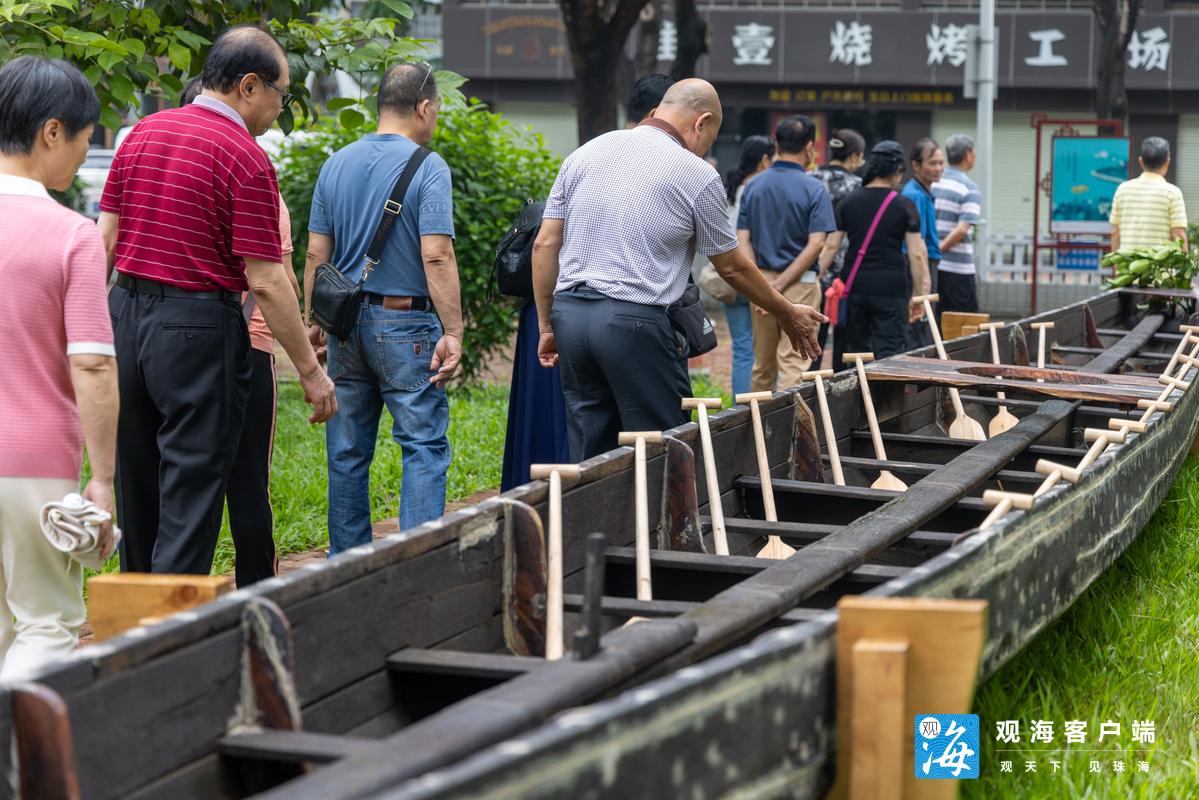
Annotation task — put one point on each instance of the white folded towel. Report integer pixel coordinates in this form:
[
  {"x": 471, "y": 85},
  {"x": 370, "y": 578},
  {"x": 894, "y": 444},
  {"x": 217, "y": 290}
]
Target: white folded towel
[{"x": 73, "y": 527}]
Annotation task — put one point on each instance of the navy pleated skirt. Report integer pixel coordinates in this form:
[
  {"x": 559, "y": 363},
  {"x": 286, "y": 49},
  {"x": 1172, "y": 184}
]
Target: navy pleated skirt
[{"x": 536, "y": 409}]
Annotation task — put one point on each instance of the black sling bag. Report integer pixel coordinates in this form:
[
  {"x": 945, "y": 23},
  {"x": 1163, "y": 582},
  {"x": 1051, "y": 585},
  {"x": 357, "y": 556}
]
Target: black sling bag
[{"x": 335, "y": 298}]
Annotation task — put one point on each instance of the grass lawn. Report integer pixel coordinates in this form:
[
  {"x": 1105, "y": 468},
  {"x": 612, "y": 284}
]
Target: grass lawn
[
  {"x": 1127, "y": 650},
  {"x": 478, "y": 419}
]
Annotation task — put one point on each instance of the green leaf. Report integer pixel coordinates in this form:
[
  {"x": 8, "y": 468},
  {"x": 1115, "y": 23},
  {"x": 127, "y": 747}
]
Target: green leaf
[
  {"x": 338, "y": 103},
  {"x": 171, "y": 81},
  {"x": 121, "y": 88},
  {"x": 134, "y": 46},
  {"x": 110, "y": 119},
  {"x": 351, "y": 118},
  {"x": 180, "y": 56},
  {"x": 401, "y": 9}
]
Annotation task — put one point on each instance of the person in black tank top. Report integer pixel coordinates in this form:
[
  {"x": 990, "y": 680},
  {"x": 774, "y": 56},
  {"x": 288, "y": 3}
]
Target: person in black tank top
[{"x": 879, "y": 308}]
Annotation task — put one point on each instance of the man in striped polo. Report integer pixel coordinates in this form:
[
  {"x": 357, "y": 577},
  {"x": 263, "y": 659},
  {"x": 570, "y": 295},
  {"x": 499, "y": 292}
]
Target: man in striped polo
[
  {"x": 959, "y": 206},
  {"x": 1149, "y": 210},
  {"x": 190, "y": 220}
]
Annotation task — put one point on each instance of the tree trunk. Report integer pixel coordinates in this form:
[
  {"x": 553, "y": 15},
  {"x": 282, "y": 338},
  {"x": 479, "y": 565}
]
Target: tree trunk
[
  {"x": 1116, "y": 20},
  {"x": 645, "y": 53},
  {"x": 596, "y": 40},
  {"x": 693, "y": 39}
]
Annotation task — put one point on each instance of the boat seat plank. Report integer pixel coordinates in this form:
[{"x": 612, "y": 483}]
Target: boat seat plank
[
  {"x": 1066, "y": 384},
  {"x": 1094, "y": 351},
  {"x": 290, "y": 746},
  {"x": 625, "y": 607},
  {"x": 869, "y": 574},
  {"x": 941, "y": 449},
  {"x": 916, "y": 468},
  {"x": 459, "y": 663},
  {"x": 914, "y": 549}
]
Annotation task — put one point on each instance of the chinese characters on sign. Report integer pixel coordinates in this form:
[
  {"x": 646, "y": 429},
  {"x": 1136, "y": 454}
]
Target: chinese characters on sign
[
  {"x": 1008, "y": 731},
  {"x": 1046, "y": 57},
  {"x": 753, "y": 43},
  {"x": 1149, "y": 50},
  {"x": 946, "y": 746},
  {"x": 668, "y": 41},
  {"x": 947, "y": 45},
  {"x": 851, "y": 44}
]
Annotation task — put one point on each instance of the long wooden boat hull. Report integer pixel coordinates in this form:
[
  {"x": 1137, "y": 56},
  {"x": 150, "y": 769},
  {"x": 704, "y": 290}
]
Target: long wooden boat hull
[
  {"x": 700, "y": 702},
  {"x": 759, "y": 721}
]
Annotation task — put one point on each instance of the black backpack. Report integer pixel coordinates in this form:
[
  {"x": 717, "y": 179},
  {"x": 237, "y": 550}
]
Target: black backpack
[{"x": 513, "y": 268}]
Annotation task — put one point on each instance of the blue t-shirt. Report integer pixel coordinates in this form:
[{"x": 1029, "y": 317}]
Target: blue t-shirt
[
  {"x": 927, "y": 208},
  {"x": 347, "y": 204},
  {"x": 779, "y": 208}
]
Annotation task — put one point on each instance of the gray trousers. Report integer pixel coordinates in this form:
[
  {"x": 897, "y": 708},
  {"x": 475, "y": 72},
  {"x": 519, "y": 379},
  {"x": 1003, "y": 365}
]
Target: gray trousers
[{"x": 622, "y": 369}]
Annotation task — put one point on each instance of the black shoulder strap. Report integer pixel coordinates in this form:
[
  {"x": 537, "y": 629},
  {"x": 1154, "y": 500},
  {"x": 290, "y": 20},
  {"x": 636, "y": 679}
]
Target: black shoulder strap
[{"x": 392, "y": 209}]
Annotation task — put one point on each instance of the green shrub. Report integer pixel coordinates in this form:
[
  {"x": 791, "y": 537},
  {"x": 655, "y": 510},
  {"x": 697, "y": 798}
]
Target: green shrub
[{"x": 495, "y": 167}]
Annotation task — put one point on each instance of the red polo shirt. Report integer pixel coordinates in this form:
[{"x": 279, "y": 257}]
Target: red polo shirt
[{"x": 195, "y": 194}]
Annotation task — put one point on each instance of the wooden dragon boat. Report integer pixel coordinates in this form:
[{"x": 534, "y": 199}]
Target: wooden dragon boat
[{"x": 414, "y": 667}]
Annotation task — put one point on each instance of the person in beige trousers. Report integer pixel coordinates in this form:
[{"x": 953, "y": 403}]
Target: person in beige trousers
[{"x": 784, "y": 218}]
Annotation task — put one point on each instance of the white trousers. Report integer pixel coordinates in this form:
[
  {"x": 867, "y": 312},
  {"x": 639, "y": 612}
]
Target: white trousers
[{"x": 41, "y": 589}]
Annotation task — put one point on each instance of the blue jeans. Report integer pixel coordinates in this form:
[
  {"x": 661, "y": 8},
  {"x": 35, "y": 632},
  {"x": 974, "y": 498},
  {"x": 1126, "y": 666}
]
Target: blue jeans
[
  {"x": 740, "y": 318},
  {"x": 385, "y": 361}
]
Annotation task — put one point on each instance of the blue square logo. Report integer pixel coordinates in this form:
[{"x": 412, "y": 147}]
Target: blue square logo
[{"x": 945, "y": 746}]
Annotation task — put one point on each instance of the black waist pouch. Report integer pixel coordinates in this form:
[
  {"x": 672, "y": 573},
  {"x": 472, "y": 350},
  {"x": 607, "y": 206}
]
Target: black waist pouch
[{"x": 691, "y": 322}]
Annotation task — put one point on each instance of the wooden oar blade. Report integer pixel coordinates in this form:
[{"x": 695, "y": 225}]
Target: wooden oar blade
[
  {"x": 886, "y": 480},
  {"x": 965, "y": 427},
  {"x": 776, "y": 548},
  {"x": 1003, "y": 421}
]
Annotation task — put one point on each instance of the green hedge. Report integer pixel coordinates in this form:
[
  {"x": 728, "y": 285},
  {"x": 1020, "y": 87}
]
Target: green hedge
[{"x": 495, "y": 167}]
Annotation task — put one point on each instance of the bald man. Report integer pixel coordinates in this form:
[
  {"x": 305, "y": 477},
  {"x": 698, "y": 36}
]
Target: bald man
[{"x": 622, "y": 224}]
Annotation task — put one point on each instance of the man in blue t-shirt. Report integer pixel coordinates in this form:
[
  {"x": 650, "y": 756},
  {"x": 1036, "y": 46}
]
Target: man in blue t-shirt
[
  {"x": 927, "y": 163},
  {"x": 408, "y": 339},
  {"x": 785, "y": 215}
]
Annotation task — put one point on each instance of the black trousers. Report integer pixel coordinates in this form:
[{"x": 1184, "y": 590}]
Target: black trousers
[
  {"x": 249, "y": 494},
  {"x": 183, "y": 368},
  {"x": 622, "y": 369},
  {"x": 918, "y": 334},
  {"x": 958, "y": 292},
  {"x": 877, "y": 324}
]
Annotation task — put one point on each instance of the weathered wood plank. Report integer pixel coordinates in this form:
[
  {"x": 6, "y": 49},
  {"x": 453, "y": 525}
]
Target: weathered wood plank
[
  {"x": 493, "y": 715},
  {"x": 289, "y": 746},
  {"x": 626, "y": 607},
  {"x": 493, "y": 666},
  {"x": 1070, "y": 385}
]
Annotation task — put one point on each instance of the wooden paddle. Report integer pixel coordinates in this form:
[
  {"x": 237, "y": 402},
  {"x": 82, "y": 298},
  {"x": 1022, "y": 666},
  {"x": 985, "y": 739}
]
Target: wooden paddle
[
  {"x": 830, "y": 438},
  {"x": 638, "y": 439},
  {"x": 886, "y": 480},
  {"x": 775, "y": 546},
  {"x": 715, "y": 507},
  {"x": 962, "y": 427},
  {"x": 554, "y": 638},
  {"x": 1004, "y": 420},
  {"x": 1040, "y": 328}
]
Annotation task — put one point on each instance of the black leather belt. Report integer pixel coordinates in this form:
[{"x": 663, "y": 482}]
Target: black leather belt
[
  {"x": 145, "y": 286},
  {"x": 398, "y": 303}
]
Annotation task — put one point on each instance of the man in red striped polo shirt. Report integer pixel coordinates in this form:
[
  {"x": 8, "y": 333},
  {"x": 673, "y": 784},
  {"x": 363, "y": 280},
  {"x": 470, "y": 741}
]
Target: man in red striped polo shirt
[{"x": 190, "y": 219}]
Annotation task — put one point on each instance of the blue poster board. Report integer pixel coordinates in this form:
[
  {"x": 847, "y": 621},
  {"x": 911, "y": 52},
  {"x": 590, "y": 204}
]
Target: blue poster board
[
  {"x": 1077, "y": 258},
  {"x": 1086, "y": 172}
]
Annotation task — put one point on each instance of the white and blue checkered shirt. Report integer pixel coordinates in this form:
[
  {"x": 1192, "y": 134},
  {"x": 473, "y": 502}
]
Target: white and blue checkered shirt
[{"x": 637, "y": 207}]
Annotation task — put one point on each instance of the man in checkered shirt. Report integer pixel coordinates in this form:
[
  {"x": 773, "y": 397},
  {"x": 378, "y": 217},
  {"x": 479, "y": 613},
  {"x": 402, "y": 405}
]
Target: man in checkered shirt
[{"x": 622, "y": 224}]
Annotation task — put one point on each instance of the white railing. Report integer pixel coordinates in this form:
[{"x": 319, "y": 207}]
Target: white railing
[{"x": 1011, "y": 262}]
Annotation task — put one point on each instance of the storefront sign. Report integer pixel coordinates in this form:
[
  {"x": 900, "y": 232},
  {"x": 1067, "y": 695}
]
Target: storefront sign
[{"x": 875, "y": 48}]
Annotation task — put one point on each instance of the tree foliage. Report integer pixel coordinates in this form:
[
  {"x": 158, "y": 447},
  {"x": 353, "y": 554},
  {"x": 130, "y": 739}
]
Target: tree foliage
[
  {"x": 495, "y": 167},
  {"x": 129, "y": 48}
]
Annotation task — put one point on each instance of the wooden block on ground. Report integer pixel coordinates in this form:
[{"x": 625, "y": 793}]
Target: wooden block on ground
[
  {"x": 122, "y": 601},
  {"x": 952, "y": 322},
  {"x": 925, "y": 650}
]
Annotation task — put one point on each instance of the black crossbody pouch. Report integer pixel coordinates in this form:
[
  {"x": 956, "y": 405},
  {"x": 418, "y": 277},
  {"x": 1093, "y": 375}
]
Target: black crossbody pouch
[
  {"x": 335, "y": 298},
  {"x": 691, "y": 323}
]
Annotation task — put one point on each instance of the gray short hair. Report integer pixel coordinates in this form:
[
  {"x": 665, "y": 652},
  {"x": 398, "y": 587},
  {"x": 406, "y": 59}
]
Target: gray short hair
[
  {"x": 957, "y": 147},
  {"x": 1155, "y": 152}
]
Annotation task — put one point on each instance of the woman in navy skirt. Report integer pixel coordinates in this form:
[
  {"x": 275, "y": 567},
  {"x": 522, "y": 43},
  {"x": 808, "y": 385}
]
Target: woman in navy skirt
[{"x": 536, "y": 408}]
